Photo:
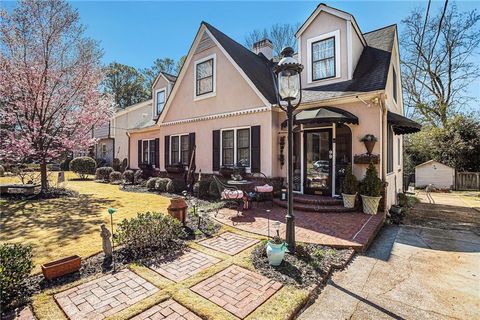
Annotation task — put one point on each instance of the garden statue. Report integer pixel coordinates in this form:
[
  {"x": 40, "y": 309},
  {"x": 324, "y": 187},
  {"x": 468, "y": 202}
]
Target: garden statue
[{"x": 106, "y": 244}]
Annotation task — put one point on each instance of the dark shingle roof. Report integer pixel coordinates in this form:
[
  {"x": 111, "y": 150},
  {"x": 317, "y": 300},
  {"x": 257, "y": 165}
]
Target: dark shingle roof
[
  {"x": 257, "y": 67},
  {"x": 369, "y": 75},
  {"x": 170, "y": 77}
]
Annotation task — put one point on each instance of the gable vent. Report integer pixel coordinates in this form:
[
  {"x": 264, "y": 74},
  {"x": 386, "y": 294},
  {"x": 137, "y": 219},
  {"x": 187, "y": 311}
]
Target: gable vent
[{"x": 205, "y": 43}]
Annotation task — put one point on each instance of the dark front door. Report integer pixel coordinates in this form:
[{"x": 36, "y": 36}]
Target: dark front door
[{"x": 318, "y": 162}]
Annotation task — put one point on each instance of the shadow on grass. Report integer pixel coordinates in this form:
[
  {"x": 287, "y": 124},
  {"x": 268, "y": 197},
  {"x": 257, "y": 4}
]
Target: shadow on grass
[{"x": 62, "y": 219}]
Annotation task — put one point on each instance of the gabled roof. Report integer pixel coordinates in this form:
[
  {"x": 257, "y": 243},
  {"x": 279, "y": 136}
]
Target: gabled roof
[
  {"x": 257, "y": 68},
  {"x": 371, "y": 71},
  {"x": 167, "y": 76}
]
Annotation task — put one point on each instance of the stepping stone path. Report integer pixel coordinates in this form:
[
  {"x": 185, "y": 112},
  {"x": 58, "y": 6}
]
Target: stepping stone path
[
  {"x": 186, "y": 265},
  {"x": 229, "y": 243},
  {"x": 105, "y": 296},
  {"x": 237, "y": 290},
  {"x": 169, "y": 309}
]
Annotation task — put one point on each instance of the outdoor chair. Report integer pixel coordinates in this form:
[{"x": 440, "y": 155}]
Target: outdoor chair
[
  {"x": 263, "y": 193},
  {"x": 229, "y": 195}
]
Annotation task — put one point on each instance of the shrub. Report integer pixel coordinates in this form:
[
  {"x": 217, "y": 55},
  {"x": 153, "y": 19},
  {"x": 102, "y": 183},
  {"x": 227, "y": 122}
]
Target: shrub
[
  {"x": 103, "y": 173},
  {"x": 83, "y": 166},
  {"x": 148, "y": 231},
  {"x": 350, "y": 182},
  {"x": 2, "y": 171},
  {"x": 161, "y": 184},
  {"x": 176, "y": 186},
  {"x": 371, "y": 185},
  {"x": 16, "y": 265},
  {"x": 151, "y": 183},
  {"x": 148, "y": 170},
  {"x": 124, "y": 164},
  {"x": 101, "y": 162},
  {"x": 213, "y": 190},
  {"x": 65, "y": 164},
  {"x": 116, "y": 164},
  {"x": 137, "y": 177},
  {"x": 115, "y": 176},
  {"x": 128, "y": 176},
  {"x": 203, "y": 187}
]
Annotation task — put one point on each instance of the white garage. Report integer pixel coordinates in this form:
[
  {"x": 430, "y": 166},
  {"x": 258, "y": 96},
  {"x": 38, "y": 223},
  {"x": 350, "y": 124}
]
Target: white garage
[{"x": 436, "y": 173}]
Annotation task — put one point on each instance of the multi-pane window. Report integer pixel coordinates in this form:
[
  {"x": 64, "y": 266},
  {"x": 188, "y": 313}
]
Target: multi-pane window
[
  {"x": 389, "y": 149},
  {"x": 160, "y": 101},
  {"x": 243, "y": 147},
  {"x": 204, "y": 80},
  {"x": 185, "y": 149},
  {"x": 228, "y": 145},
  {"x": 323, "y": 59},
  {"x": 145, "y": 151},
  {"x": 180, "y": 149},
  {"x": 394, "y": 84},
  {"x": 151, "y": 149},
  {"x": 236, "y": 147}
]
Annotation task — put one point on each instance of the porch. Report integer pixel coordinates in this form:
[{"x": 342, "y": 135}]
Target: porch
[{"x": 335, "y": 228}]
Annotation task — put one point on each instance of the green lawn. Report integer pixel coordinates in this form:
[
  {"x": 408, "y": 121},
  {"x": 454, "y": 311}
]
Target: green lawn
[{"x": 61, "y": 227}]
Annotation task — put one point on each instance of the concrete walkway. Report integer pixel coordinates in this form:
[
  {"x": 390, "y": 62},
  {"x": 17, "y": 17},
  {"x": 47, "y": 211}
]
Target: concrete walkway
[{"x": 408, "y": 273}]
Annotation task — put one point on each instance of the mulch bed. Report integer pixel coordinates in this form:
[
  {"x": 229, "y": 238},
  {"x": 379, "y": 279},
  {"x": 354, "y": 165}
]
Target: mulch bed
[
  {"x": 308, "y": 267},
  {"x": 51, "y": 193}
]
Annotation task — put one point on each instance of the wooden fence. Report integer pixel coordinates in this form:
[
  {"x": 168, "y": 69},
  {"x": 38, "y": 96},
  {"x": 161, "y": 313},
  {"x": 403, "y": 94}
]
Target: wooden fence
[{"x": 467, "y": 181}]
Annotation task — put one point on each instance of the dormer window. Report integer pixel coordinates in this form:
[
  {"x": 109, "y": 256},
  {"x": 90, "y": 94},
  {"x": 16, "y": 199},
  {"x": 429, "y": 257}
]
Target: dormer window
[
  {"x": 205, "y": 77},
  {"x": 161, "y": 94},
  {"x": 323, "y": 59}
]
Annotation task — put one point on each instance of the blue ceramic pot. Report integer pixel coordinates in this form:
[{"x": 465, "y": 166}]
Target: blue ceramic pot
[{"x": 275, "y": 253}]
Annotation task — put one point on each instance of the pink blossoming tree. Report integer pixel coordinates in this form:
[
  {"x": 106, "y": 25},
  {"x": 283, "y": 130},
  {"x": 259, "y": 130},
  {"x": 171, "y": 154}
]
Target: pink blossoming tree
[{"x": 50, "y": 76}]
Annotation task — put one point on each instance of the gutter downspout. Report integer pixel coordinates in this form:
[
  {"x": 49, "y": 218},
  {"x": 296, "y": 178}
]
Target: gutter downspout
[
  {"x": 383, "y": 145},
  {"x": 128, "y": 150}
]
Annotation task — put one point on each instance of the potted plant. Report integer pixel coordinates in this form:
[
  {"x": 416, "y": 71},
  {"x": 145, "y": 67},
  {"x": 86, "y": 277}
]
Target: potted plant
[
  {"x": 350, "y": 188},
  {"x": 370, "y": 190},
  {"x": 276, "y": 248},
  {"x": 175, "y": 168},
  {"x": 369, "y": 141}
]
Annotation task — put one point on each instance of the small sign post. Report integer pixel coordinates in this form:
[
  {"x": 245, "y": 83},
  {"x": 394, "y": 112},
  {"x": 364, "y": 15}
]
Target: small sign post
[{"x": 111, "y": 211}]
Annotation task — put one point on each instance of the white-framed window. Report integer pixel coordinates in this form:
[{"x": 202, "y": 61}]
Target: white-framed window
[
  {"x": 235, "y": 147},
  {"x": 160, "y": 96},
  {"x": 205, "y": 77},
  {"x": 148, "y": 151},
  {"x": 394, "y": 85},
  {"x": 323, "y": 57},
  {"x": 179, "y": 149}
]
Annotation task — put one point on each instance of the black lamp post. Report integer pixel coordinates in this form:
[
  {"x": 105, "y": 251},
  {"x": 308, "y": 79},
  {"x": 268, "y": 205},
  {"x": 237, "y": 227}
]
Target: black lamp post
[{"x": 289, "y": 89}]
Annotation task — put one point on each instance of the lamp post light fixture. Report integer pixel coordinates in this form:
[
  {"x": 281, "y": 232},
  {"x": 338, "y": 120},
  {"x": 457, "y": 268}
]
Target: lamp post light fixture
[{"x": 289, "y": 90}]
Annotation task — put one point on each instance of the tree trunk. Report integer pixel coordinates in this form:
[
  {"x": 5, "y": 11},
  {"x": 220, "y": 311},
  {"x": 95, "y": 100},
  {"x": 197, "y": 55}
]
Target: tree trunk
[{"x": 43, "y": 175}]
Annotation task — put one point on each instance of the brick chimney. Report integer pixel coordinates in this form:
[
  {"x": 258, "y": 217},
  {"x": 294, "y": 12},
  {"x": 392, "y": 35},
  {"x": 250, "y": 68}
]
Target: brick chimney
[{"x": 264, "y": 46}]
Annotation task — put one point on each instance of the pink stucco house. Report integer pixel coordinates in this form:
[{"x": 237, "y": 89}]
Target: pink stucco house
[{"x": 224, "y": 102}]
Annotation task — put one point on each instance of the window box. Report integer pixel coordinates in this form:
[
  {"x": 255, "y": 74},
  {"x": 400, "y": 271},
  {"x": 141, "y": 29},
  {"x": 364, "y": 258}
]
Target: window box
[
  {"x": 61, "y": 267},
  {"x": 366, "y": 158},
  {"x": 227, "y": 171},
  {"x": 175, "y": 168}
]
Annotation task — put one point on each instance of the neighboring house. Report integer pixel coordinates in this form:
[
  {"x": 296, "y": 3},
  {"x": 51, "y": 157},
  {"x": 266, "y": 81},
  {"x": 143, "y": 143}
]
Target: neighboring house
[
  {"x": 435, "y": 173},
  {"x": 224, "y": 102}
]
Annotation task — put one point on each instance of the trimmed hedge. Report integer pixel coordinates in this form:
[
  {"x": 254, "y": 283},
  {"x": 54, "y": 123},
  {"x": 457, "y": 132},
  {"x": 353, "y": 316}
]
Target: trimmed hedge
[
  {"x": 103, "y": 173},
  {"x": 83, "y": 166},
  {"x": 213, "y": 190},
  {"x": 115, "y": 176},
  {"x": 176, "y": 186},
  {"x": 161, "y": 184},
  {"x": 151, "y": 183},
  {"x": 128, "y": 176}
]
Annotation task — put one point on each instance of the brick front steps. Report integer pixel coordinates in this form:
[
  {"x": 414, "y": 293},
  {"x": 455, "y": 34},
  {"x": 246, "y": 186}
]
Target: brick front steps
[{"x": 310, "y": 203}]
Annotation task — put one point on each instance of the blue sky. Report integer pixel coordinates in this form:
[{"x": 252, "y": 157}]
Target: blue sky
[{"x": 138, "y": 32}]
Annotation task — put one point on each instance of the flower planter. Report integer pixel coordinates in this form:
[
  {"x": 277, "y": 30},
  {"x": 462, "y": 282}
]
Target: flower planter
[
  {"x": 349, "y": 200},
  {"x": 370, "y": 204},
  {"x": 61, "y": 267},
  {"x": 175, "y": 168},
  {"x": 275, "y": 253},
  {"x": 178, "y": 209}
]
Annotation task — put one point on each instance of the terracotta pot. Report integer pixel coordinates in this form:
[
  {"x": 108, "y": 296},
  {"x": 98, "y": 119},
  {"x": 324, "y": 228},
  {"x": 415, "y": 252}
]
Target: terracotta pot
[
  {"x": 178, "y": 209},
  {"x": 370, "y": 204},
  {"x": 369, "y": 145},
  {"x": 61, "y": 267},
  {"x": 349, "y": 200}
]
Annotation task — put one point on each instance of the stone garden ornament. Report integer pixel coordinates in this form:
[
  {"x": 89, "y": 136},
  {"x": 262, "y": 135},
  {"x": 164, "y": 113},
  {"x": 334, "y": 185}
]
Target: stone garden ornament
[{"x": 106, "y": 244}]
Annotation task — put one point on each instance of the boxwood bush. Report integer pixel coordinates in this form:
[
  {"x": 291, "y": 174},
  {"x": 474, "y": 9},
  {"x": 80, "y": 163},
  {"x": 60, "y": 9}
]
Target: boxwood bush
[
  {"x": 213, "y": 191},
  {"x": 115, "y": 176},
  {"x": 103, "y": 173},
  {"x": 138, "y": 177},
  {"x": 83, "y": 166},
  {"x": 128, "y": 176},
  {"x": 149, "y": 231},
  {"x": 151, "y": 183},
  {"x": 16, "y": 265},
  {"x": 161, "y": 184},
  {"x": 176, "y": 186}
]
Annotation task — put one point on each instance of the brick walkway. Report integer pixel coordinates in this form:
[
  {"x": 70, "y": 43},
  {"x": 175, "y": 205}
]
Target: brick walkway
[
  {"x": 169, "y": 309},
  {"x": 186, "y": 265},
  {"x": 229, "y": 243},
  {"x": 237, "y": 290},
  {"x": 105, "y": 296},
  {"x": 340, "y": 230}
]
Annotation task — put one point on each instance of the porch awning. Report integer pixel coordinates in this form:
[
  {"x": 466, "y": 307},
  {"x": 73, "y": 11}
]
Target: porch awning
[
  {"x": 401, "y": 124},
  {"x": 324, "y": 115}
]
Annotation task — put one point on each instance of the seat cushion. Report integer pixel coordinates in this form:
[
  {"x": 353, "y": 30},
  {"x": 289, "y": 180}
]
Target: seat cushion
[
  {"x": 232, "y": 194},
  {"x": 264, "y": 188}
]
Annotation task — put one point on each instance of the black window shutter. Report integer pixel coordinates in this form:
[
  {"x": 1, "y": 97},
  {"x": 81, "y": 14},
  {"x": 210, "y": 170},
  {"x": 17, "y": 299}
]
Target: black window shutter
[
  {"x": 157, "y": 153},
  {"x": 191, "y": 145},
  {"x": 255, "y": 146},
  {"x": 167, "y": 150},
  {"x": 139, "y": 151},
  {"x": 216, "y": 150}
]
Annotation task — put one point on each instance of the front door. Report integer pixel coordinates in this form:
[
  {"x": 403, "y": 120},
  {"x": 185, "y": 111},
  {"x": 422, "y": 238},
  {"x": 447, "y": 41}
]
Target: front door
[{"x": 318, "y": 162}]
